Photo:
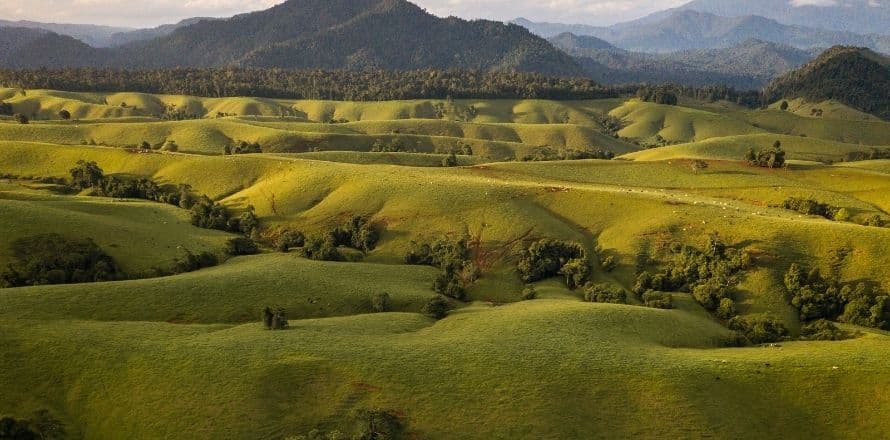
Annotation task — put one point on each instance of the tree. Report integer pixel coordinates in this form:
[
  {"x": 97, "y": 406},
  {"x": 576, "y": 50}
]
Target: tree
[
  {"x": 290, "y": 239},
  {"x": 726, "y": 309},
  {"x": 86, "y": 175},
  {"x": 64, "y": 115},
  {"x": 437, "y": 307},
  {"x": 241, "y": 246},
  {"x": 450, "y": 160},
  {"x": 605, "y": 293},
  {"x": 699, "y": 165},
  {"x": 784, "y": 105},
  {"x": 380, "y": 302},
  {"x": 274, "y": 318},
  {"x": 20, "y": 118}
]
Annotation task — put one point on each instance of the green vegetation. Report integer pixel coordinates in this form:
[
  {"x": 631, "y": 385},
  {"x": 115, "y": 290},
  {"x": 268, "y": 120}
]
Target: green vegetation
[
  {"x": 53, "y": 259},
  {"x": 429, "y": 301}
]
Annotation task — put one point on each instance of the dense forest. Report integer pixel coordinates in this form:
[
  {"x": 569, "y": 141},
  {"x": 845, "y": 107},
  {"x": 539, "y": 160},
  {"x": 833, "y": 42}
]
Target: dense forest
[
  {"x": 315, "y": 84},
  {"x": 348, "y": 85}
]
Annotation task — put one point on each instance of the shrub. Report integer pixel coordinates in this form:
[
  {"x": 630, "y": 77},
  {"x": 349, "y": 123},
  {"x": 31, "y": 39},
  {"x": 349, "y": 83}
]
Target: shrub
[
  {"x": 42, "y": 425},
  {"x": 380, "y": 302},
  {"x": 658, "y": 300},
  {"x": 244, "y": 147},
  {"x": 290, "y": 239},
  {"x": 377, "y": 425},
  {"x": 20, "y": 118},
  {"x": 529, "y": 293},
  {"x": 609, "y": 263},
  {"x": 274, "y": 318},
  {"x": 784, "y": 105},
  {"x": 64, "y": 115},
  {"x": 823, "y": 330},
  {"x": 759, "y": 330},
  {"x": 323, "y": 249},
  {"x": 437, "y": 307},
  {"x": 192, "y": 262},
  {"x": 547, "y": 258},
  {"x": 450, "y": 160},
  {"x": 241, "y": 246},
  {"x": 605, "y": 293},
  {"x": 54, "y": 259}
]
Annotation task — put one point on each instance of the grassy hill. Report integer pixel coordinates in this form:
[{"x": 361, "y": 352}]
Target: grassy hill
[
  {"x": 735, "y": 147},
  {"x": 596, "y": 365},
  {"x": 155, "y": 358},
  {"x": 139, "y": 235}
]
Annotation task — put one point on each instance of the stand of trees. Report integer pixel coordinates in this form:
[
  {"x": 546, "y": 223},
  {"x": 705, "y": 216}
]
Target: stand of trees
[
  {"x": 818, "y": 297},
  {"x": 544, "y": 154},
  {"x": 769, "y": 158},
  {"x": 454, "y": 257},
  {"x": 548, "y": 258},
  {"x": 54, "y": 259}
]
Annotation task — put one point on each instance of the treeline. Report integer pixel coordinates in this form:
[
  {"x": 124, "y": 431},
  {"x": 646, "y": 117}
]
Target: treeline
[
  {"x": 341, "y": 85},
  {"x": 351, "y": 85}
]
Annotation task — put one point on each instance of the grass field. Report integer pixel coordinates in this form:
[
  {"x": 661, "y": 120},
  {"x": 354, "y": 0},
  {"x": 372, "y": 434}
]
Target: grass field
[{"x": 156, "y": 358}]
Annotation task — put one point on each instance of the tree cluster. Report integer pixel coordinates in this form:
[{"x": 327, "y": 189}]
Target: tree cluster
[
  {"x": 357, "y": 232},
  {"x": 759, "y": 330},
  {"x": 604, "y": 293},
  {"x": 54, "y": 259},
  {"x": 818, "y": 297},
  {"x": 659, "y": 95},
  {"x": 453, "y": 257},
  {"x": 40, "y": 426},
  {"x": 548, "y": 258},
  {"x": 546, "y": 154},
  {"x": 813, "y": 207},
  {"x": 709, "y": 275},
  {"x": 768, "y": 158}
]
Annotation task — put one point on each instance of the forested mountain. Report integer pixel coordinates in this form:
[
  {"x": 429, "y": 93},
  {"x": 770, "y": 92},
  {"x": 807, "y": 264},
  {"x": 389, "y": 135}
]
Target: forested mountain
[
  {"x": 864, "y": 16},
  {"x": 749, "y": 65},
  {"x": 93, "y": 35},
  {"x": 854, "y": 76},
  {"x": 687, "y": 29},
  {"x": 351, "y": 34},
  {"x": 25, "y": 47},
  {"x": 326, "y": 34}
]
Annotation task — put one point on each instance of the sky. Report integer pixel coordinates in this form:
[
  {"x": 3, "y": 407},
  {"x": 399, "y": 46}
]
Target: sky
[{"x": 149, "y": 13}]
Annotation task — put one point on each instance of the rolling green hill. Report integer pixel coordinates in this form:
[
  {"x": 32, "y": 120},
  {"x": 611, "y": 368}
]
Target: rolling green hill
[{"x": 159, "y": 357}]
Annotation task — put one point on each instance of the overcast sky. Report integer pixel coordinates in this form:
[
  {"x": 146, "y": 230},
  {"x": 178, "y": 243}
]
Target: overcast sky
[{"x": 147, "y": 13}]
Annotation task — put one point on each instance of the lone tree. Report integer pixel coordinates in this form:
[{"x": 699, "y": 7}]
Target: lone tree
[
  {"x": 274, "y": 318},
  {"x": 86, "y": 175},
  {"x": 64, "y": 115},
  {"x": 784, "y": 105}
]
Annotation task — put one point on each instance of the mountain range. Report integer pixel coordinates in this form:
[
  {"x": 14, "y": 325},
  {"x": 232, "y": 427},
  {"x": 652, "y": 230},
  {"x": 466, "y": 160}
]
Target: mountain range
[
  {"x": 748, "y": 65},
  {"x": 332, "y": 34},
  {"x": 705, "y": 42},
  {"x": 688, "y": 29}
]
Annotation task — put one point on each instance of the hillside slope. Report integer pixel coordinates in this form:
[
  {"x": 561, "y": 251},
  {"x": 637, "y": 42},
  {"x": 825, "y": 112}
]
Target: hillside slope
[{"x": 853, "y": 76}]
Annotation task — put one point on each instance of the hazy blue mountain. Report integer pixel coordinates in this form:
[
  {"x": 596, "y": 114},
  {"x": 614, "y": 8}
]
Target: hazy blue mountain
[
  {"x": 93, "y": 35},
  {"x": 687, "y": 29}
]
